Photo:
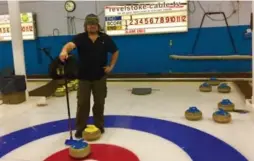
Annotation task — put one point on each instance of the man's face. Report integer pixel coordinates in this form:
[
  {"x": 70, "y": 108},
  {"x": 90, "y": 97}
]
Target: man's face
[{"x": 92, "y": 28}]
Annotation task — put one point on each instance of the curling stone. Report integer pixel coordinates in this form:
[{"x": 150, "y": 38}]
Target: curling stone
[
  {"x": 79, "y": 150},
  {"x": 193, "y": 114},
  {"x": 205, "y": 87},
  {"x": 226, "y": 105},
  {"x": 74, "y": 85},
  {"x": 91, "y": 133},
  {"x": 70, "y": 87},
  {"x": 214, "y": 82},
  {"x": 224, "y": 88},
  {"x": 221, "y": 116},
  {"x": 60, "y": 92}
]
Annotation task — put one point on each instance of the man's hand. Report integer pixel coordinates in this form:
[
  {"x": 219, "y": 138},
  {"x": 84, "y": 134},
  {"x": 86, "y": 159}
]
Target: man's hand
[
  {"x": 108, "y": 69},
  {"x": 66, "y": 49},
  {"x": 63, "y": 56}
]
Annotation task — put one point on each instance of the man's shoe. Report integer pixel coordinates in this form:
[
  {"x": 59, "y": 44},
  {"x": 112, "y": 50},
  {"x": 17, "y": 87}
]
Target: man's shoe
[
  {"x": 78, "y": 134},
  {"x": 102, "y": 130}
]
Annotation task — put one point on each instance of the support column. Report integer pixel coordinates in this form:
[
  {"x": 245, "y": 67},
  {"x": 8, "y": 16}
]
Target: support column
[
  {"x": 17, "y": 39},
  {"x": 252, "y": 57}
]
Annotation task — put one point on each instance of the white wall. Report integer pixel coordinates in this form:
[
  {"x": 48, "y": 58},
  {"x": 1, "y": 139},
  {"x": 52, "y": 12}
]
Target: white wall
[{"x": 51, "y": 14}]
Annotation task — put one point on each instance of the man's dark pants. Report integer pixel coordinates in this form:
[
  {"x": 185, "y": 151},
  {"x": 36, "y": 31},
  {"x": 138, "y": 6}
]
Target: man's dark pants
[{"x": 98, "y": 89}]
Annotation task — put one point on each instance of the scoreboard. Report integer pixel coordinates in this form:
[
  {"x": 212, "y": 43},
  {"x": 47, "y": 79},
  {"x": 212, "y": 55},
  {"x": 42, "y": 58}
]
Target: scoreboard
[
  {"x": 147, "y": 18},
  {"x": 27, "y": 27}
]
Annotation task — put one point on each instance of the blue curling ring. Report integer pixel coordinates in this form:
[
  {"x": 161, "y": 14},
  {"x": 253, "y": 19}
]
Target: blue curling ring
[
  {"x": 213, "y": 78},
  {"x": 208, "y": 147}
]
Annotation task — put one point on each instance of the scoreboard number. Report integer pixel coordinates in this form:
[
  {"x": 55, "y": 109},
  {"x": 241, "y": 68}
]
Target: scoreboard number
[{"x": 23, "y": 29}]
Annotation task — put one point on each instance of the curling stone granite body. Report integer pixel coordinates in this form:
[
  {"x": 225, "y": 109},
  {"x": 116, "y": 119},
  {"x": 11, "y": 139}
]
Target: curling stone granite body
[
  {"x": 193, "y": 114},
  {"x": 80, "y": 150},
  {"x": 222, "y": 116},
  {"x": 226, "y": 105},
  {"x": 70, "y": 86},
  {"x": 224, "y": 88},
  {"x": 205, "y": 87},
  {"x": 214, "y": 82},
  {"x": 74, "y": 84},
  {"x": 91, "y": 133},
  {"x": 60, "y": 92}
]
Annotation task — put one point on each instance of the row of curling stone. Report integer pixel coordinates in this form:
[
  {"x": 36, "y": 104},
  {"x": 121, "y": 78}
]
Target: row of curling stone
[
  {"x": 222, "y": 88},
  {"x": 82, "y": 149},
  {"x": 226, "y": 105},
  {"x": 193, "y": 114},
  {"x": 72, "y": 86},
  {"x": 223, "y": 115},
  {"x": 220, "y": 116}
]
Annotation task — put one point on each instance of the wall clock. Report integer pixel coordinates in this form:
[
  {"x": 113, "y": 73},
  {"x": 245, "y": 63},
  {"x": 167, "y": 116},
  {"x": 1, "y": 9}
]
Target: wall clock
[{"x": 70, "y": 6}]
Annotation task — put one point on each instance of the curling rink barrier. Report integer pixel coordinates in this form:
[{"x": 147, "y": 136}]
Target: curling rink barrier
[{"x": 137, "y": 127}]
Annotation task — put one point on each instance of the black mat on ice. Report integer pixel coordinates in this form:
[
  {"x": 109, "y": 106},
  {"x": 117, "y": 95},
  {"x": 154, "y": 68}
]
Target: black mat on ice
[
  {"x": 141, "y": 91},
  {"x": 46, "y": 90}
]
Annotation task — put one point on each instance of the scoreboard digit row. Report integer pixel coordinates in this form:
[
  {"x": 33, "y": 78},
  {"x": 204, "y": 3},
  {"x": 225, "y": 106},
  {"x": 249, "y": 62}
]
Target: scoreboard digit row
[
  {"x": 118, "y": 23},
  {"x": 7, "y": 29}
]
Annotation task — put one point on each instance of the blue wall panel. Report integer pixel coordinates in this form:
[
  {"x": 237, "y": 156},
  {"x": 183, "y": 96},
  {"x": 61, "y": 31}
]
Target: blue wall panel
[{"x": 150, "y": 53}]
